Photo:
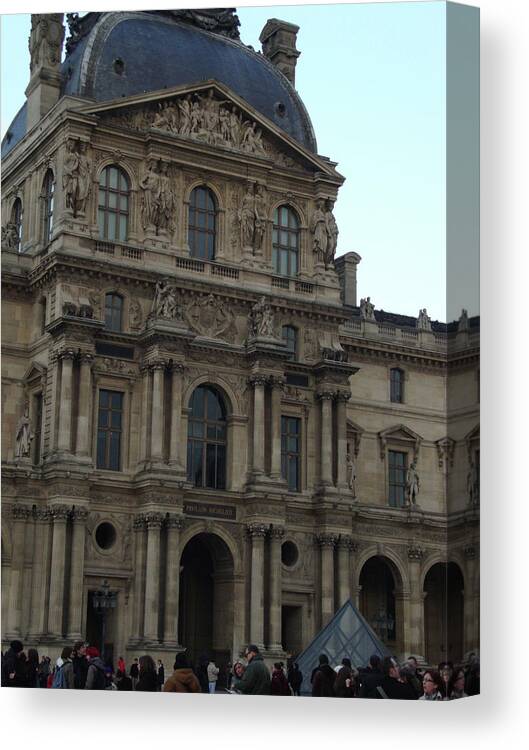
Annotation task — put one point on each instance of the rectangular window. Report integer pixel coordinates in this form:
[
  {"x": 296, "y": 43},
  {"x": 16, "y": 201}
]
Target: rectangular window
[
  {"x": 396, "y": 392},
  {"x": 398, "y": 465},
  {"x": 291, "y": 452},
  {"x": 109, "y": 429},
  {"x": 37, "y": 435}
]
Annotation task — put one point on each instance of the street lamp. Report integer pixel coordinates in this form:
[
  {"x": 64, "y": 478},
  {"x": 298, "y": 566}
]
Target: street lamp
[{"x": 102, "y": 601}]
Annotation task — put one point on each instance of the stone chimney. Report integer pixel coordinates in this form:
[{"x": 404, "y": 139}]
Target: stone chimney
[
  {"x": 345, "y": 267},
  {"x": 278, "y": 39},
  {"x": 45, "y": 47}
]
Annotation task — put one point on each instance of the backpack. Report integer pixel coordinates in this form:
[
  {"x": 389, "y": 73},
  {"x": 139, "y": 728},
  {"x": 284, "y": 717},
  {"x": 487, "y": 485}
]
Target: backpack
[{"x": 58, "y": 678}]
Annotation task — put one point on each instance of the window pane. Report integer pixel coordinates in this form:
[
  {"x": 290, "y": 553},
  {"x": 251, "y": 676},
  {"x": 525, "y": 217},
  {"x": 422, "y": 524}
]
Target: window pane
[
  {"x": 111, "y": 226},
  {"x": 197, "y": 464},
  {"x": 114, "y": 450},
  {"x": 122, "y": 228},
  {"x": 210, "y": 465},
  {"x": 113, "y": 178},
  {"x": 112, "y": 200},
  {"x": 101, "y": 450},
  {"x": 221, "y": 467}
]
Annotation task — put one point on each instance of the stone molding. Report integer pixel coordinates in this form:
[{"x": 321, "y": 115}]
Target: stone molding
[
  {"x": 257, "y": 530},
  {"x": 326, "y": 540}
]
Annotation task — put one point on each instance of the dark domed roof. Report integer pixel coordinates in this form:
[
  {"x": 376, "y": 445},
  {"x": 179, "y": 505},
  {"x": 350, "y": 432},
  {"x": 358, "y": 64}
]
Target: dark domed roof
[{"x": 156, "y": 51}]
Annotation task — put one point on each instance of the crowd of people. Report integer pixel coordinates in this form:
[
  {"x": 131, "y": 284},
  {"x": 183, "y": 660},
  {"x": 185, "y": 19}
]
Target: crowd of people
[{"x": 81, "y": 667}]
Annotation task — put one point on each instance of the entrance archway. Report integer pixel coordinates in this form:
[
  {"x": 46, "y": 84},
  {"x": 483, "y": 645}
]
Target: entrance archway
[
  {"x": 380, "y": 583},
  {"x": 206, "y": 607},
  {"x": 443, "y": 613}
]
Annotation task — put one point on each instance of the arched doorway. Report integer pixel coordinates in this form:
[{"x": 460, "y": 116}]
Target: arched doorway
[
  {"x": 443, "y": 613},
  {"x": 380, "y": 583},
  {"x": 206, "y": 608}
]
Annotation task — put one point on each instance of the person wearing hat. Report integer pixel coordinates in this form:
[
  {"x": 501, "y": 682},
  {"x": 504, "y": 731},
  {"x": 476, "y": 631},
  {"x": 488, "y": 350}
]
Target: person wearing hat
[
  {"x": 256, "y": 679},
  {"x": 95, "y": 678},
  {"x": 11, "y": 665}
]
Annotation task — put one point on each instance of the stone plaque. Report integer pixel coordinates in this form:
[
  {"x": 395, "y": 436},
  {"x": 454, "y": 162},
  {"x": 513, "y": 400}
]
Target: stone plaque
[{"x": 209, "y": 510}]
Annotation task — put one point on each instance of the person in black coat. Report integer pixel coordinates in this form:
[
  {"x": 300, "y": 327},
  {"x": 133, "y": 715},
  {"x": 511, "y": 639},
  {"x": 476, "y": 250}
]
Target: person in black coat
[
  {"x": 122, "y": 681},
  {"x": 161, "y": 674},
  {"x": 148, "y": 681},
  {"x": 80, "y": 665},
  {"x": 371, "y": 678},
  {"x": 391, "y": 686},
  {"x": 323, "y": 679},
  {"x": 13, "y": 666},
  {"x": 295, "y": 678}
]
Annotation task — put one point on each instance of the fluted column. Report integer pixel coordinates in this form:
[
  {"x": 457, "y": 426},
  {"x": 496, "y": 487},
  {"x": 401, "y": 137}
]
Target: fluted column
[
  {"x": 257, "y": 533},
  {"x": 75, "y": 613},
  {"x": 326, "y": 543},
  {"x": 416, "y": 602},
  {"x": 139, "y": 526},
  {"x": 341, "y": 443},
  {"x": 39, "y": 600},
  {"x": 152, "y": 581},
  {"x": 172, "y": 580},
  {"x": 278, "y": 384},
  {"x": 146, "y": 394},
  {"x": 64, "y": 438},
  {"x": 276, "y": 539},
  {"x": 83, "y": 412},
  {"x": 176, "y": 414},
  {"x": 258, "y": 382},
  {"x": 326, "y": 398},
  {"x": 59, "y": 513},
  {"x": 20, "y": 514},
  {"x": 157, "y": 424},
  {"x": 345, "y": 545}
]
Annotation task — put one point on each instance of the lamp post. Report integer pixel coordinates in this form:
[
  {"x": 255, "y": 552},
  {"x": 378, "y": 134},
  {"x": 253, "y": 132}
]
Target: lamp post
[{"x": 102, "y": 601}]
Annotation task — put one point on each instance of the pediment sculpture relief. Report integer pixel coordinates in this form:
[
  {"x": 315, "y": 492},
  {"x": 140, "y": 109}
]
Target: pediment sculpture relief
[
  {"x": 166, "y": 302},
  {"x": 210, "y": 317}
]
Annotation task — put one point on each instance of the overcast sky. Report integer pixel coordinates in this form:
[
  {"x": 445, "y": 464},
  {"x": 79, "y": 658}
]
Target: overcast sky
[{"x": 373, "y": 78}]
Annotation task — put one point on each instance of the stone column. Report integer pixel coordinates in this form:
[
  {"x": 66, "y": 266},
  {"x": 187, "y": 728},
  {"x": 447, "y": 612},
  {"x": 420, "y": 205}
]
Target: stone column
[
  {"x": 326, "y": 543},
  {"x": 75, "y": 614},
  {"x": 471, "y": 601},
  {"x": 276, "y": 539},
  {"x": 345, "y": 545},
  {"x": 257, "y": 533},
  {"x": 278, "y": 384},
  {"x": 139, "y": 526},
  {"x": 326, "y": 398},
  {"x": 60, "y": 514},
  {"x": 341, "y": 424},
  {"x": 172, "y": 580},
  {"x": 258, "y": 382},
  {"x": 416, "y": 603},
  {"x": 39, "y": 599},
  {"x": 144, "y": 451},
  {"x": 157, "y": 423},
  {"x": 83, "y": 412},
  {"x": 64, "y": 438},
  {"x": 152, "y": 580},
  {"x": 20, "y": 514},
  {"x": 176, "y": 413}
]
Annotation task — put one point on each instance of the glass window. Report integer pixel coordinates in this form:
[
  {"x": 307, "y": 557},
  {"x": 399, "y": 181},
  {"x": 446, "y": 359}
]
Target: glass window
[
  {"x": 113, "y": 204},
  {"x": 37, "y": 434},
  {"x": 48, "y": 198},
  {"x": 291, "y": 452},
  {"x": 285, "y": 241},
  {"x": 109, "y": 430},
  {"x": 113, "y": 312},
  {"x": 398, "y": 465},
  {"x": 202, "y": 223},
  {"x": 16, "y": 220},
  {"x": 396, "y": 385},
  {"x": 206, "y": 441},
  {"x": 290, "y": 336}
]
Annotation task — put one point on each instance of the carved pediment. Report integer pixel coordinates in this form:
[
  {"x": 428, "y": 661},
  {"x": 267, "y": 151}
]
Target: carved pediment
[
  {"x": 400, "y": 435},
  {"x": 211, "y": 114}
]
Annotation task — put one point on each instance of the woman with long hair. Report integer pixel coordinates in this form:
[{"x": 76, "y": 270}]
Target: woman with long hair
[{"x": 148, "y": 681}]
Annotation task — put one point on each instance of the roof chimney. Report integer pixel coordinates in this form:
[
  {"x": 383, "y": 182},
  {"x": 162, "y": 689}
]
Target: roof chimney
[
  {"x": 45, "y": 47},
  {"x": 278, "y": 39},
  {"x": 345, "y": 267}
]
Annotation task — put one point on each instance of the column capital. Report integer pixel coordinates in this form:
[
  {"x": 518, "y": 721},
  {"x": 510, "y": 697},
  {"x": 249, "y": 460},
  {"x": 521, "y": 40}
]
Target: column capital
[
  {"x": 145, "y": 368},
  {"x": 59, "y": 512},
  {"x": 20, "y": 512},
  {"x": 87, "y": 358},
  {"x": 278, "y": 381},
  {"x": 346, "y": 542},
  {"x": 158, "y": 364},
  {"x": 257, "y": 530},
  {"x": 177, "y": 368},
  {"x": 173, "y": 521},
  {"x": 79, "y": 515},
  {"x": 277, "y": 533},
  {"x": 343, "y": 396},
  {"x": 325, "y": 394},
  {"x": 42, "y": 515},
  {"x": 67, "y": 354},
  {"x": 139, "y": 522},
  {"x": 415, "y": 553},
  {"x": 154, "y": 520},
  {"x": 326, "y": 540},
  {"x": 257, "y": 379}
]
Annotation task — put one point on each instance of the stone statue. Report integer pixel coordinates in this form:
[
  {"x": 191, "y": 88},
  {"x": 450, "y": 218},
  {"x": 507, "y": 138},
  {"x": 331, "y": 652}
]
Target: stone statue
[
  {"x": 184, "y": 108},
  {"x": 165, "y": 303},
  {"x": 473, "y": 484},
  {"x": 423, "y": 321},
  {"x": 261, "y": 320},
  {"x": 150, "y": 187},
  {"x": 260, "y": 216},
  {"x": 412, "y": 484},
  {"x": 351, "y": 474},
  {"x": 45, "y": 40},
  {"x": 463, "y": 324},
  {"x": 252, "y": 217},
  {"x": 318, "y": 228},
  {"x": 10, "y": 237},
  {"x": 367, "y": 309},
  {"x": 332, "y": 235},
  {"x": 24, "y": 436},
  {"x": 135, "y": 315},
  {"x": 76, "y": 176},
  {"x": 166, "y": 200}
]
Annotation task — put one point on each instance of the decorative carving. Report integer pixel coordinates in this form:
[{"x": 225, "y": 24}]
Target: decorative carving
[
  {"x": 45, "y": 40},
  {"x": 326, "y": 540},
  {"x": 473, "y": 482},
  {"x": 59, "y": 512},
  {"x": 415, "y": 553},
  {"x": 351, "y": 473},
  {"x": 139, "y": 523},
  {"x": 325, "y": 394},
  {"x": 445, "y": 452},
  {"x": 166, "y": 301},
  {"x": 412, "y": 484},
  {"x": 256, "y": 530},
  {"x": 135, "y": 315},
  {"x": 211, "y": 317},
  {"x": 346, "y": 542},
  {"x": 325, "y": 232},
  {"x": 24, "y": 435},
  {"x": 367, "y": 309},
  {"x": 252, "y": 217},
  {"x": 158, "y": 200},
  {"x": 310, "y": 346},
  {"x": 463, "y": 324},
  {"x": 258, "y": 379},
  {"x": 222, "y": 21},
  {"x": 174, "y": 522},
  {"x": 20, "y": 512},
  {"x": 277, "y": 533},
  {"x": 10, "y": 236},
  {"x": 76, "y": 176},
  {"x": 424, "y": 323},
  {"x": 261, "y": 321},
  {"x": 154, "y": 520},
  {"x": 79, "y": 515}
]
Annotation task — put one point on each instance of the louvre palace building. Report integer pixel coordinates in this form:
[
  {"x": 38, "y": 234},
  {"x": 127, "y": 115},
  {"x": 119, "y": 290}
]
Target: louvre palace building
[{"x": 207, "y": 439}]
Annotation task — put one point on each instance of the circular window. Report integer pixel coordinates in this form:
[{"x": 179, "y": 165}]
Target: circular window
[
  {"x": 105, "y": 535},
  {"x": 289, "y": 554}
]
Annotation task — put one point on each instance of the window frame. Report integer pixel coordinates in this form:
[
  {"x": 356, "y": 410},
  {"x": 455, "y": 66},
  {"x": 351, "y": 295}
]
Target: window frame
[
  {"x": 195, "y": 232},
  {"x": 48, "y": 206},
  {"x": 293, "y": 352},
  {"x": 292, "y": 229},
  {"x": 396, "y": 386},
  {"x": 105, "y": 210},
  {"x": 393, "y": 484},
  {"x": 287, "y": 455},
  {"x": 114, "y": 296},
  {"x": 205, "y": 442},
  {"x": 17, "y": 217},
  {"x": 109, "y": 428}
]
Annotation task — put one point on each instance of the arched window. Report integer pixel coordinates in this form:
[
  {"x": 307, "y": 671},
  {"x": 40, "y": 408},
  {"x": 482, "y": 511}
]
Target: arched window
[
  {"x": 285, "y": 242},
  {"x": 289, "y": 335},
  {"x": 113, "y": 204},
  {"x": 206, "y": 439},
  {"x": 113, "y": 312},
  {"x": 48, "y": 195},
  {"x": 396, "y": 385},
  {"x": 202, "y": 225},
  {"x": 16, "y": 220}
]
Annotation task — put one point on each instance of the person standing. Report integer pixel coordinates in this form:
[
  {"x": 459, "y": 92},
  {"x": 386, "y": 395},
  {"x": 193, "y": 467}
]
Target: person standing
[
  {"x": 256, "y": 678},
  {"x": 44, "y": 670},
  {"x": 279, "y": 684},
  {"x": 371, "y": 678},
  {"x": 323, "y": 679},
  {"x": 456, "y": 686},
  {"x": 213, "y": 676},
  {"x": 344, "y": 684},
  {"x": 391, "y": 686},
  {"x": 134, "y": 672},
  {"x": 183, "y": 679},
  {"x": 295, "y": 678},
  {"x": 121, "y": 665},
  {"x": 95, "y": 677},
  {"x": 80, "y": 664},
  {"x": 431, "y": 684},
  {"x": 148, "y": 680},
  {"x": 11, "y": 665},
  {"x": 32, "y": 667},
  {"x": 161, "y": 674}
]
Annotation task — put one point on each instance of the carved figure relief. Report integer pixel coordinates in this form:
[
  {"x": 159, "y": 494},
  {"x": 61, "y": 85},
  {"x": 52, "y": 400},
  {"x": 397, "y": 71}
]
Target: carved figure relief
[
  {"x": 135, "y": 315},
  {"x": 261, "y": 320},
  {"x": 158, "y": 197},
  {"x": 252, "y": 217},
  {"x": 423, "y": 321},
  {"x": 325, "y": 232},
  {"x": 76, "y": 176},
  {"x": 10, "y": 237},
  {"x": 412, "y": 484},
  {"x": 351, "y": 473},
  {"x": 45, "y": 40},
  {"x": 210, "y": 317},
  {"x": 310, "y": 345},
  {"x": 24, "y": 435},
  {"x": 367, "y": 309},
  {"x": 166, "y": 301}
]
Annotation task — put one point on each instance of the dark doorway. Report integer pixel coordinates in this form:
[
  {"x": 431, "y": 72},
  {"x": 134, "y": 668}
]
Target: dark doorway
[
  {"x": 94, "y": 631},
  {"x": 291, "y": 620},
  {"x": 443, "y": 613},
  {"x": 379, "y": 581}
]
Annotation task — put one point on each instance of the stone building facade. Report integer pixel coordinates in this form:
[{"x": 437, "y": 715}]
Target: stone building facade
[{"x": 202, "y": 427}]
